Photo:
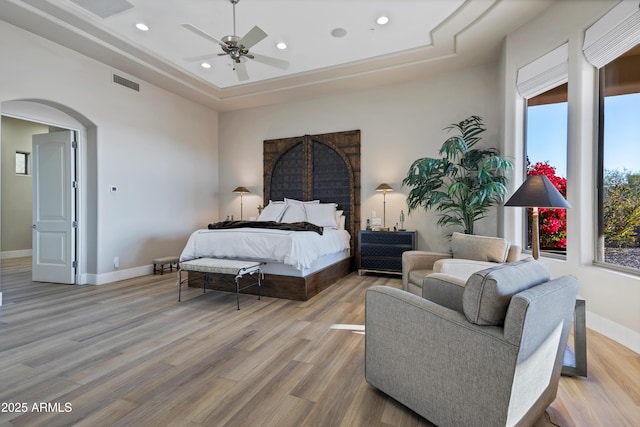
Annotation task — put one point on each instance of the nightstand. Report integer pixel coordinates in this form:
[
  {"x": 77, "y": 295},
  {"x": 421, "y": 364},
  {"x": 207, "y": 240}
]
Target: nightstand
[{"x": 381, "y": 251}]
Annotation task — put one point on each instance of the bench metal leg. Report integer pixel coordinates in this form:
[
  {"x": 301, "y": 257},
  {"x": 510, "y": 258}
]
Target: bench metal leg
[
  {"x": 238, "y": 291},
  {"x": 206, "y": 279}
]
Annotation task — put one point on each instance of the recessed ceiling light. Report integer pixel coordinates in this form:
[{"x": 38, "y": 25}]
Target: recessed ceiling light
[
  {"x": 142, "y": 27},
  {"x": 338, "y": 32},
  {"x": 281, "y": 45},
  {"x": 382, "y": 20},
  {"x": 205, "y": 65}
]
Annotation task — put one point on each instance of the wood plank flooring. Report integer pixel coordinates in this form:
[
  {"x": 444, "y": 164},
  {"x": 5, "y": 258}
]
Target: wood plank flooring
[{"x": 128, "y": 354}]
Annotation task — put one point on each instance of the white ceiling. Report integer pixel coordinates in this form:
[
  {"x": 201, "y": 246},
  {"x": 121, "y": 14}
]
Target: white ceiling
[{"x": 422, "y": 37}]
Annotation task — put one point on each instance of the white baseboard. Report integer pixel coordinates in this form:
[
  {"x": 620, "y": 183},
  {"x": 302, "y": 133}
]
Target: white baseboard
[
  {"x": 16, "y": 254},
  {"x": 115, "y": 276},
  {"x": 0, "y": 299},
  {"x": 625, "y": 336}
]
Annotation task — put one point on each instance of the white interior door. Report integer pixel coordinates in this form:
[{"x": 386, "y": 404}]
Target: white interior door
[{"x": 54, "y": 240}]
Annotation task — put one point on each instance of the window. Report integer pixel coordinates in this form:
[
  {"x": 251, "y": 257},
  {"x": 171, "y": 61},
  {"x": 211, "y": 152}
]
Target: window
[
  {"x": 619, "y": 162},
  {"x": 543, "y": 85},
  {"x": 23, "y": 166},
  {"x": 546, "y": 154}
]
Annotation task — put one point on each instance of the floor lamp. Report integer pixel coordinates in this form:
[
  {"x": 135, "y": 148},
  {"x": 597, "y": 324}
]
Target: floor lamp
[
  {"x": 241, "y": 190},
  {"x": 537, "y": 192},
  {"x": 384, "y": 187}
]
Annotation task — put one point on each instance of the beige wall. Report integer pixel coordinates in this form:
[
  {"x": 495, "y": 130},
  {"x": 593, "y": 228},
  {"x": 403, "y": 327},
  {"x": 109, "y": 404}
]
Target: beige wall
[
  {"x": 612, "y": 298},
  {"x": 398, "y": 124},
  {"x": 159, "y": 149},
  {"x": 16, "y": 189}
]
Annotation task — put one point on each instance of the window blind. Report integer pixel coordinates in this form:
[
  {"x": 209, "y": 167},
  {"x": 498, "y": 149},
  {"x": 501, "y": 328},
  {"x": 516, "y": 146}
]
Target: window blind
[
  {"x": 613, "y": 34},
  {"x": 546, "y": 72}
]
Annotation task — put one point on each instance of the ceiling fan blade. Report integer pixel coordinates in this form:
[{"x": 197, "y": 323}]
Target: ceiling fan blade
[
  {"x": 252, "y": 37},
  {"x": 241, "y": 71},
  {"x": 201, "y": 33},
  {"x": 268, "y": 60},
  {"x": 202, "y": 57}
]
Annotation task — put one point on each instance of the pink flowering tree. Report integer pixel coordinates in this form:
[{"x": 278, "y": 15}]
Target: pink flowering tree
[{"x": 553, "y": 222}]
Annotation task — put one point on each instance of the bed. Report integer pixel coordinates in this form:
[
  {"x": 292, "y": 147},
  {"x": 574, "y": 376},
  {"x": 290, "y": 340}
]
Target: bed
[{"x": 312, "y": 172}]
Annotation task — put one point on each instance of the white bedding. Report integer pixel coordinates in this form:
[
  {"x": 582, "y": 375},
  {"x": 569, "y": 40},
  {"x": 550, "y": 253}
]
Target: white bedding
[{"x": 295, "y": 248}]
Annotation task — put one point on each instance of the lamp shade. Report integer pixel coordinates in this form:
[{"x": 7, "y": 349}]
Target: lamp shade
[
  {"x": 384, "y": 187},
  {"x": 537, "y": 192},
  {"x": 241, "y": 190}
]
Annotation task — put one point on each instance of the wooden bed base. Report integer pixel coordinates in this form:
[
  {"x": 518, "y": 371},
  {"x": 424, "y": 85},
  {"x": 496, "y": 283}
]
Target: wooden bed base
[{"x": 287, "y": 287}]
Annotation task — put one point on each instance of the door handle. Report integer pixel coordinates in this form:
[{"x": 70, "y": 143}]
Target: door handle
[{"x": 33, "y": 226}]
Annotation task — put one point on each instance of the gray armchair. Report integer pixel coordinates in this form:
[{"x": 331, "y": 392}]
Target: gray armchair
[
  {"x": 496, "y": 363},
  {"x": 469, "y": 253}
]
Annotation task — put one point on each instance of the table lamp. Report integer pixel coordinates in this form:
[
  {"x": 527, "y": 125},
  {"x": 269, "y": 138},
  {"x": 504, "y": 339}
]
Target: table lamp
[
  {"x": 241, "y": 190},
  {"x": 537, "y": 192},
  {"x": 384, "y": 187}
]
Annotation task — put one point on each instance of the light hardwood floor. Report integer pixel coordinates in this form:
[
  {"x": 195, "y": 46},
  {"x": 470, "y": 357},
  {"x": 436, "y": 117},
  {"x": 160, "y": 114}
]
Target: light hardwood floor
[{"x": 129, "y": 354}]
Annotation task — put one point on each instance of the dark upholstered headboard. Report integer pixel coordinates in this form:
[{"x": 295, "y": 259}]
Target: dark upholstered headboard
[{"x": 317, "y": 167}]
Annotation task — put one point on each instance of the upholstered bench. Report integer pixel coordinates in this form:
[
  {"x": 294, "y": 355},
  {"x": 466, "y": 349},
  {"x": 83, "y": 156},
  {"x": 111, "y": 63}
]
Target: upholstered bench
[
  {"x": 159, "y": 263},
  {"x": 230, "y": 267}
]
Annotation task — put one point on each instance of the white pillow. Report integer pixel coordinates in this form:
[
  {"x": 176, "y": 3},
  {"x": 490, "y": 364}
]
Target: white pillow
[
  {"x": 338, "y": 216},
  {"x": 272, "y": 212},
  {"x": 322, "y": 214},
  {"x": 341, "y": 222},
  {"x": 292, "y": 201},
  {"x": 294, "y": 212}
]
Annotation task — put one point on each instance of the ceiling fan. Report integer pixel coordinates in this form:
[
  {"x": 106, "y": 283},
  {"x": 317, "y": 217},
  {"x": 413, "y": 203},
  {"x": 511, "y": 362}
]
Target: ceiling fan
[{"x": 238, "y": 48}]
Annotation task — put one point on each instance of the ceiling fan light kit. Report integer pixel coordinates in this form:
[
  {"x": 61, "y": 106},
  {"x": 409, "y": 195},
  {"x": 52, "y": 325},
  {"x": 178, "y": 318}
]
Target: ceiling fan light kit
[{"x": 237, "y": 47}]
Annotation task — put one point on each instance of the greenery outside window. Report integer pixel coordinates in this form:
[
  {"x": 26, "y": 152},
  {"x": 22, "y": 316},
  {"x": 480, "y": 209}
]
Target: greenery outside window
[
  {"x": 23, "y": 163},
  {"x": 619, "y": 162}
]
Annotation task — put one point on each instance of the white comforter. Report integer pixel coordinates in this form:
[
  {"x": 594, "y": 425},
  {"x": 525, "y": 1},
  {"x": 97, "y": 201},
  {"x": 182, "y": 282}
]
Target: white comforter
[{"x": 296, "y": 248}]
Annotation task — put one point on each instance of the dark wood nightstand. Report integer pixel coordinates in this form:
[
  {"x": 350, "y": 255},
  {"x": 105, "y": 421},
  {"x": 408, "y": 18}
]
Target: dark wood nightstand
[{"x": 381, "y": 251}]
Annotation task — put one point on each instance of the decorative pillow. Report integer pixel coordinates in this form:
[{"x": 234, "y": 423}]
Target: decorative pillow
[
  {"x": 273, "y": 211},
  {"x": 479, "y": 248},
  {"x": 294, "y": 212},
  {"x": 322, "y": 214},
  {"x": 487, "y": 293}
]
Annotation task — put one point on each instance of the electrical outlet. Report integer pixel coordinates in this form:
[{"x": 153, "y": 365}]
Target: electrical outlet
[{"x": 116, "y": 262}]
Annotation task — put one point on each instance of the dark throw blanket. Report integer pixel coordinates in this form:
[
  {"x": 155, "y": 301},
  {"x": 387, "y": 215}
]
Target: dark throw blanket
[{"x": 292, "y": 226}]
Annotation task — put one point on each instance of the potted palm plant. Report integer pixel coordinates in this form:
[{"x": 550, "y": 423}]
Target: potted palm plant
[{"x": 464, "y": 183}]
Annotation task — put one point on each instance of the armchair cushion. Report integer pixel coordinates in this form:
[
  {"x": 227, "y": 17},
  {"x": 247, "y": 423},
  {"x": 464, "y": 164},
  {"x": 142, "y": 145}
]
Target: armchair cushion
[
  {"x": 479, "y": 248},
  {"x": 487, "y": 293},
  {"x": 462, "y": 268}
]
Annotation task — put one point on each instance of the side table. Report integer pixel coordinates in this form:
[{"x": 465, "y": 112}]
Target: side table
[
  {"x": 381, "y": 251},
  {"x": 575, "y": 361}
]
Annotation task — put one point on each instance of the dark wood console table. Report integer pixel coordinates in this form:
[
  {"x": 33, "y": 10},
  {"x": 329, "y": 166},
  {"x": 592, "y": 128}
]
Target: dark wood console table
[{"x": 381, "y": 251}]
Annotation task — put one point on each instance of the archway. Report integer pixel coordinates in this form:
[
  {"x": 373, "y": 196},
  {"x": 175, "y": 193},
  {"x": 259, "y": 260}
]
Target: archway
[{"x": 58, "y": 115}]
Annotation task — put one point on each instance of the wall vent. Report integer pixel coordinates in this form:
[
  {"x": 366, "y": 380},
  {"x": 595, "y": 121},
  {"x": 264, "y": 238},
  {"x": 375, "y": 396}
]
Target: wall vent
[{"x": 126, "y": 82}]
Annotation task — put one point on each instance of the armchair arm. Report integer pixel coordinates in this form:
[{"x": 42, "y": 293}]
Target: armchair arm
[
  {"x": 419, "y": 260},
  {"x": 445, "y": 290},
  {"x": 434, "y": 361}
]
